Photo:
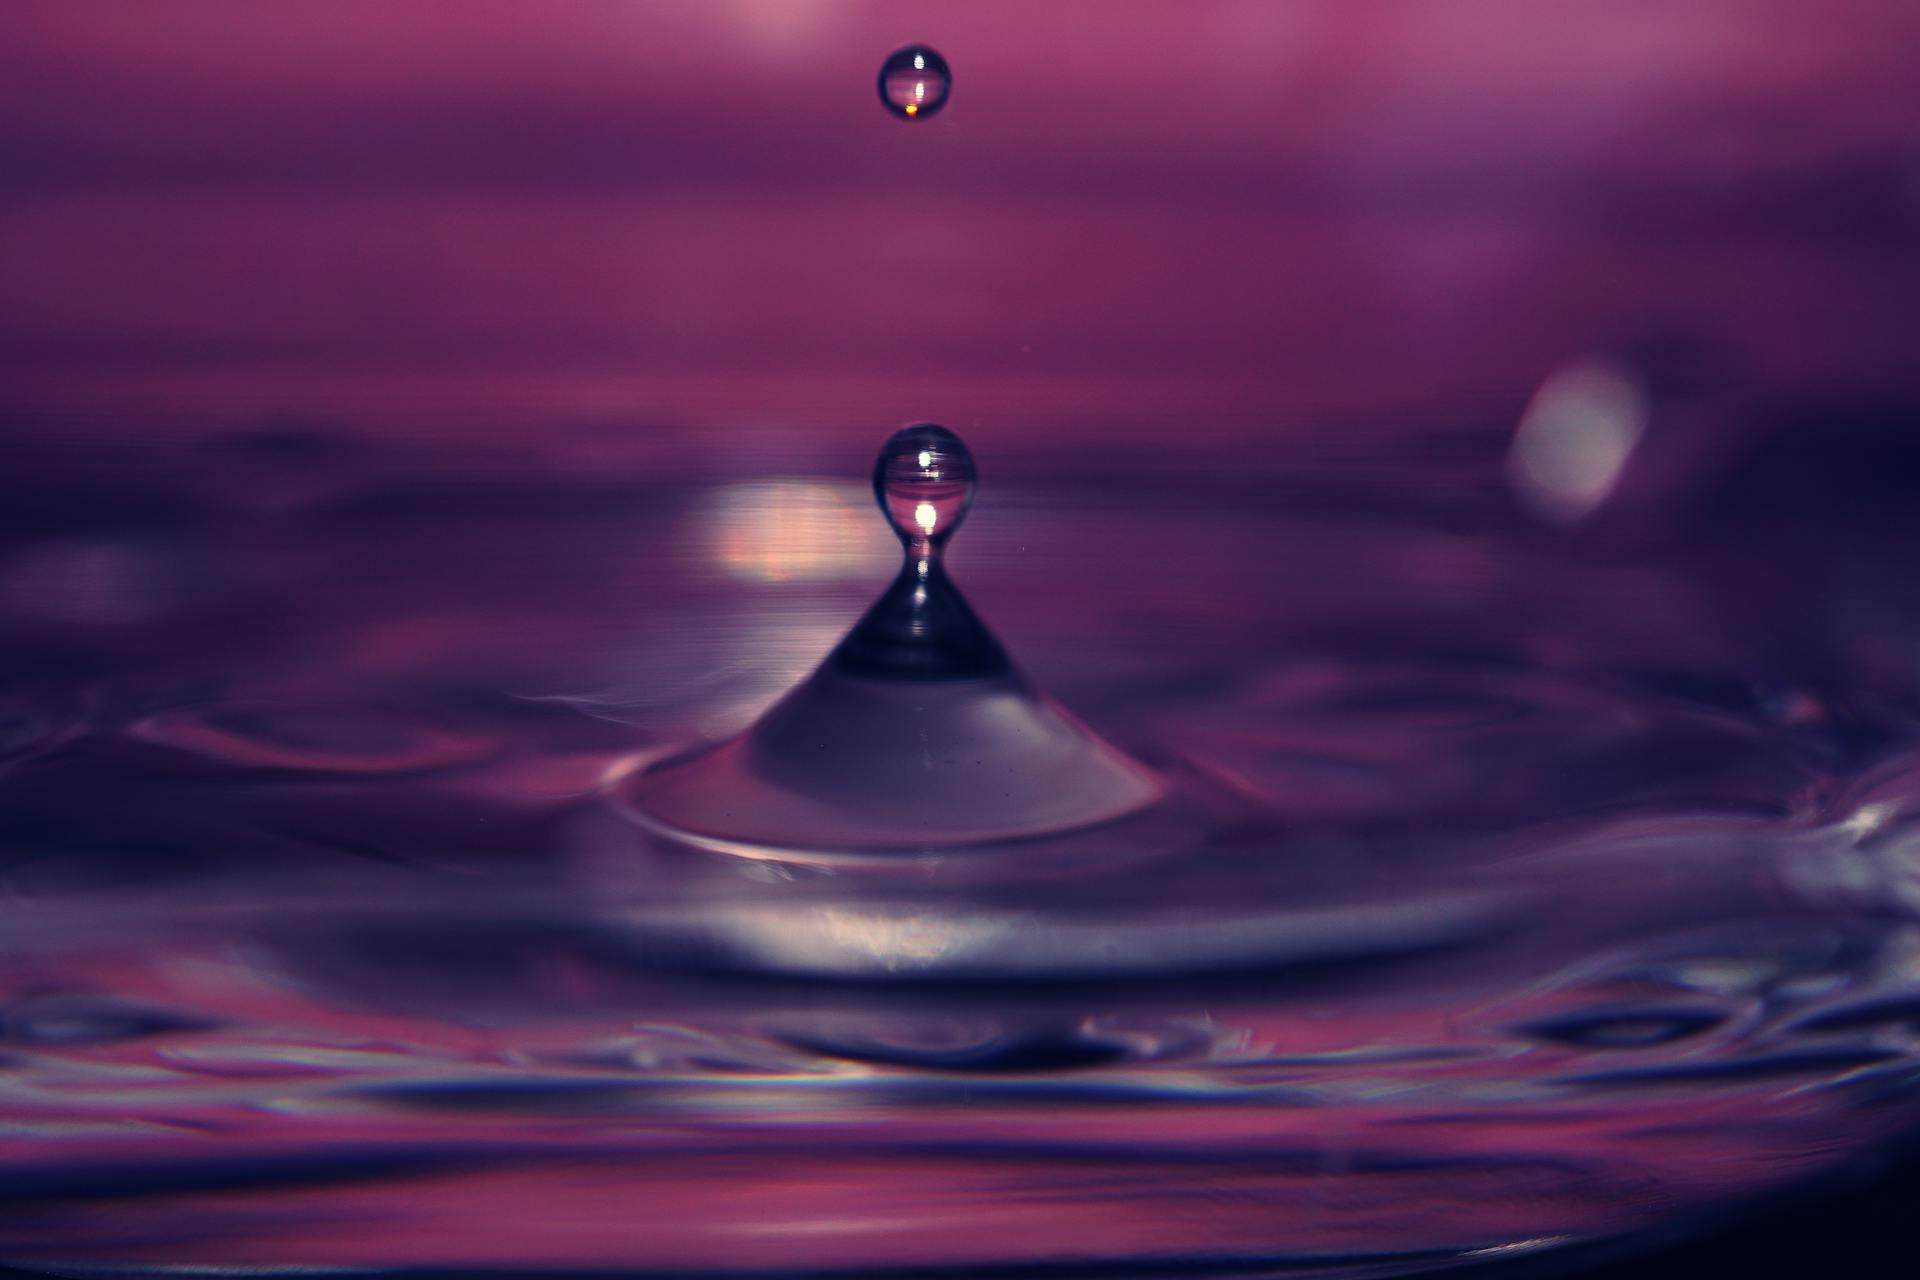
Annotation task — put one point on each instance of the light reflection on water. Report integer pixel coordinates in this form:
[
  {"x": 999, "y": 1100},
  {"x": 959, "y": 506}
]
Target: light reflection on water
[
  {"x": 1538, "y": 860},
  {"x": 798, "y": 530},
  {"x": 1518, "y": 890}
]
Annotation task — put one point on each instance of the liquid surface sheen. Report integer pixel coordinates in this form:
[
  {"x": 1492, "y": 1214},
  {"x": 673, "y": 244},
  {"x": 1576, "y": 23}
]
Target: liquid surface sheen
[{"x": 1503, "y": 894}]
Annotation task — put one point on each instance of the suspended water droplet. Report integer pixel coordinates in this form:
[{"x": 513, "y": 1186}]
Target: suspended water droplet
[
  {"x": 923, "y": 480},
  {"x": 914, "y": 82},
  {"x": 916, "y": 733}
]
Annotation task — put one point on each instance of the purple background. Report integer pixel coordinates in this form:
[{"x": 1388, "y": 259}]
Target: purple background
[
  {"x": 1221, "y": 219},
  {"x": 626, "y": 237}
]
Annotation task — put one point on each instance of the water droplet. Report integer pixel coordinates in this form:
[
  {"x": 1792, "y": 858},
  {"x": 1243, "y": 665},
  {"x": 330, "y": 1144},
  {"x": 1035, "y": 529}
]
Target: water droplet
[
  {"x": 915, "y": 734},
  {"x": 914, "y": 82},
  {"x": 923, "y": 480}
]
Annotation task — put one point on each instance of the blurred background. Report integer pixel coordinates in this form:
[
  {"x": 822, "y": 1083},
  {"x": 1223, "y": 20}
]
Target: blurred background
[
  {"x": 1247, "y": 223},
  {"x": 1319, "y": 258}
]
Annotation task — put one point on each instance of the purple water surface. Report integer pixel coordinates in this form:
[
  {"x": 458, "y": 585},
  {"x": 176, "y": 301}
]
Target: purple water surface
[
  {"x": 1464, "y": 450},
  {"x": 1521, "y": 885}
]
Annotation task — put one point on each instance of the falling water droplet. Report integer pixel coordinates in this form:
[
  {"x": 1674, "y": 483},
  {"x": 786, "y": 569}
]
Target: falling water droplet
[{"x": 914, "y": 82}]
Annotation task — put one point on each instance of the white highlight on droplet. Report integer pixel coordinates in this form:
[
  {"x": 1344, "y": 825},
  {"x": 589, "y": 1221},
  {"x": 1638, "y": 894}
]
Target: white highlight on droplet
[{"x": 926, "y": 517}]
